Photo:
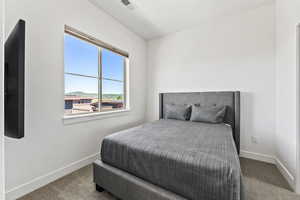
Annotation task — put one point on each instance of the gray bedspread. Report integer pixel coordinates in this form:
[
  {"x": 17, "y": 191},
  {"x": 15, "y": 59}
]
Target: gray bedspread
[{"x": 196, "y": 160}]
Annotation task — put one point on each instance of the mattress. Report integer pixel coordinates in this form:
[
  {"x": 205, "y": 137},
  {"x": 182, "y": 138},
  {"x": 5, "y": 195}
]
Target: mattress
[{"x": 192, "y": 159}]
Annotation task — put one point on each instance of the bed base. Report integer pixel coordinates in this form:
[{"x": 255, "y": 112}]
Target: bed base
[
  {"x": 126, "y": 186},
  {"x": 99, "y": 188}
]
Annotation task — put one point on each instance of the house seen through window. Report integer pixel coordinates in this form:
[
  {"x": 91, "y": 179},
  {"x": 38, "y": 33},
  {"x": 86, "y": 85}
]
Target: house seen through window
[{"x": 95, "y": 78}]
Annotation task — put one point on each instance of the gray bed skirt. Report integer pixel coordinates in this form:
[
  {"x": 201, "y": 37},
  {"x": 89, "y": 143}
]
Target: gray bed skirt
[{"x": 128, "y": 187}]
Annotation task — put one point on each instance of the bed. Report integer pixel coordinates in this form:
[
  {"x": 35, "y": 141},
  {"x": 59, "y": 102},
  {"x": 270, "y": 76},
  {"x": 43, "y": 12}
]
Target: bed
[{"x": 174, "y": 159}]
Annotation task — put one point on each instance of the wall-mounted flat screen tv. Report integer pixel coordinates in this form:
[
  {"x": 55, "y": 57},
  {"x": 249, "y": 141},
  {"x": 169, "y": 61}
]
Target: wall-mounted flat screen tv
[{"x": 14, "y": 81}]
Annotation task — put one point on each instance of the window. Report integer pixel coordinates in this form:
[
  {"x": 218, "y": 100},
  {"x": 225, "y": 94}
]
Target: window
[{"x": 95, "y": 75}]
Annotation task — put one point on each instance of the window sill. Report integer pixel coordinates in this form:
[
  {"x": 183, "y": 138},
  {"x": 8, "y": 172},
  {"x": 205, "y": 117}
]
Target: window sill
[{"x": 71, "y": 119}]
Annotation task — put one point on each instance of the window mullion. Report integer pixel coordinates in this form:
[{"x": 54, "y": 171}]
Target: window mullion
[
  {"x": 99, "y": 78},
  {"x": 110, "y": 79},
  {"x": 81, "y": 75}
]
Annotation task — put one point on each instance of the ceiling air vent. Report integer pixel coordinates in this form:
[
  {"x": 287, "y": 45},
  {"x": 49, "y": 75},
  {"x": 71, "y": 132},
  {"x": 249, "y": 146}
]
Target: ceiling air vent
[
  {"x": 125, "y": 2},
  {"x": 128, "y": 4}
]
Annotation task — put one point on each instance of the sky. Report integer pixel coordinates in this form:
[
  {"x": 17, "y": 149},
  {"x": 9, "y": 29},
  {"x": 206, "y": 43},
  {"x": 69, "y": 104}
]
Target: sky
[{"x": 82, "y": 58}]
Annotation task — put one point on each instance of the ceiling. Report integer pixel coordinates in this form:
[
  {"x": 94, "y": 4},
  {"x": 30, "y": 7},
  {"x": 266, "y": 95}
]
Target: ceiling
[{"x": 151, "y": 19}]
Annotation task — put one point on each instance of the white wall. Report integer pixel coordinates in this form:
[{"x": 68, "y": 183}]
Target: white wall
[
  {"x": 232, "y": 53},
  {"x": 287, "y": 19},
  {"x": 1, "y": 100},
  {"x": 49, "y": 144}
]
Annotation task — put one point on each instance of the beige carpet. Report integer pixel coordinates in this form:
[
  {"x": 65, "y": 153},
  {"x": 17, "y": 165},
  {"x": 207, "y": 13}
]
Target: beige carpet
[{"x": 262, "y": 182}]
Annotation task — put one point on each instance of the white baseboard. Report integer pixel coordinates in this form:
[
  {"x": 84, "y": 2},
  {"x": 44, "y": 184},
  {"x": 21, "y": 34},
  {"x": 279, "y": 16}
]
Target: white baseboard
[
  {"x": 273, "y": 160},
  {"x": 258, "y": 156},
  {"x": 41, "y": 181},
  {"x": 286, "y": 174},
  {"x": 56, "y": 174}
]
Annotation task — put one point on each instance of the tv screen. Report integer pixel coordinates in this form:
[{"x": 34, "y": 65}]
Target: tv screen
[{"x": 14, "y": 82}]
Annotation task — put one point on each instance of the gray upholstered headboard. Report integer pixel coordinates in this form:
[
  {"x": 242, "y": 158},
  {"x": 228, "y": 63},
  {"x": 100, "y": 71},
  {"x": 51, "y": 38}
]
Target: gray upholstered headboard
[{"x": 229, "y": 99}]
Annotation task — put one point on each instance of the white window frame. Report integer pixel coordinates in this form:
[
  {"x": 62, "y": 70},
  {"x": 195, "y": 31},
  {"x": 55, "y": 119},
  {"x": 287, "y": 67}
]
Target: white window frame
[{"x": 100, "y": 45}]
